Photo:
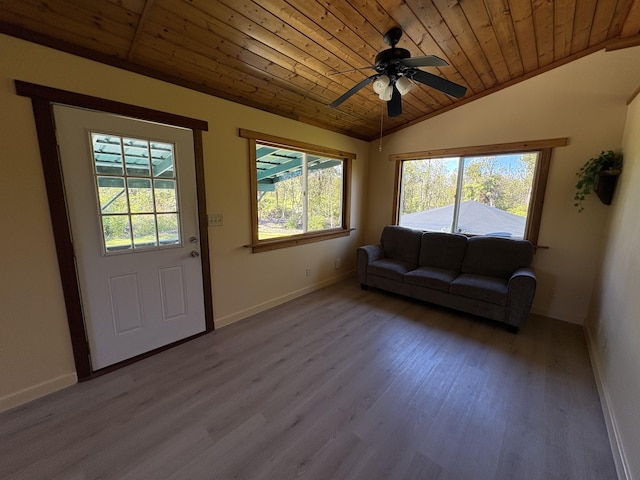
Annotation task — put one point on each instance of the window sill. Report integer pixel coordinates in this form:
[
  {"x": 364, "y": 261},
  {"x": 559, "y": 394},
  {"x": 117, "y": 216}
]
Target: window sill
[{"x": 266, "y": 245}]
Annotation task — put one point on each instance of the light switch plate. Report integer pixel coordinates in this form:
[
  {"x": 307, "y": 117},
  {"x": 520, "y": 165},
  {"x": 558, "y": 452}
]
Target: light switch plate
[{"x": 215, "y": 219}]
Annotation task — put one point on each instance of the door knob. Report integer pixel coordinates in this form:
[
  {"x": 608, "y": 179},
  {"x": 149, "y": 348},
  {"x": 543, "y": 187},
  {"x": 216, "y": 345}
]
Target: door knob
[{"x": 195, "y": 253}]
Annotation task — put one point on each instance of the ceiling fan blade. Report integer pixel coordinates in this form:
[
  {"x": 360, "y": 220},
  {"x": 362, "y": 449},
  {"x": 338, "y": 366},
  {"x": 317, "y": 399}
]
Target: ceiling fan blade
[
  {"x": 394, "y": 106},
  {"x": 353, "y": 90},
  {"x": 450, "y": 88},
  {"x": 426, "y": 61},
  {"x": 370, "y": 67}
]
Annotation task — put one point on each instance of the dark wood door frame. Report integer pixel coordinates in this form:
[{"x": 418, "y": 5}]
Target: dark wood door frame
[{"x": 42, "y": 100}]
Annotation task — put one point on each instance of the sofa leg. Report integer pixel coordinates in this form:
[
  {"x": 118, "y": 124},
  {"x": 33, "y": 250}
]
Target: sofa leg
[
  {"x": 512, "y": 329},
  {"x": 364, "y": 286}
]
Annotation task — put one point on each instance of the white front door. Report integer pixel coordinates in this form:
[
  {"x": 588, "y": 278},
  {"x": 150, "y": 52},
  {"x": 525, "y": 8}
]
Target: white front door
[{"x": 131, "y": 196}]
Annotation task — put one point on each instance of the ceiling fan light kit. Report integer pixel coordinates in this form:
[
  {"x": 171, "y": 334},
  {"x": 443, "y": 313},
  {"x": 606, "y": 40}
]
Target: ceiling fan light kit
[
  {"x": 387, "y": 93},
  {"x": 380, "y": 83},
  {"x": 404, "y": 85},
  {"x": 396, "y": 72}
]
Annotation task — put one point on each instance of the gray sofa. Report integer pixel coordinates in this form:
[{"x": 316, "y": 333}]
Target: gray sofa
[{"x": 486, "y": 276}]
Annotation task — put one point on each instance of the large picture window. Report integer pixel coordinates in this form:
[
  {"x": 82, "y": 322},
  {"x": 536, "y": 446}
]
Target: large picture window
[
  {"x": 300, "y": 192},
  {"x": 495, "y": 190}
]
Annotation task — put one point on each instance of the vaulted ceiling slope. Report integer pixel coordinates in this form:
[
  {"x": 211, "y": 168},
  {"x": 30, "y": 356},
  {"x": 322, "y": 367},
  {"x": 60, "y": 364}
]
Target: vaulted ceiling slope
[{"x": 282, "y": 55}]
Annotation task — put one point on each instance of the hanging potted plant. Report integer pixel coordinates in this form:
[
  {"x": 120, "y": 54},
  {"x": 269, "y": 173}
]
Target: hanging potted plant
[{"x": 599, "y": 174}]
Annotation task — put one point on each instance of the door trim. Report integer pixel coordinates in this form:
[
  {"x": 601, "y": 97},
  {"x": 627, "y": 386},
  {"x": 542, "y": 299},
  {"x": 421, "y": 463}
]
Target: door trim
[{"x": 42, "y": 99}]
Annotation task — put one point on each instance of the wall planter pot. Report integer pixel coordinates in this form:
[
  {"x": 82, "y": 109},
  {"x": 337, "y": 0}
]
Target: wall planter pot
[
  {"x": 605, "y": 186},
  {"x": 600, "y": 174}
]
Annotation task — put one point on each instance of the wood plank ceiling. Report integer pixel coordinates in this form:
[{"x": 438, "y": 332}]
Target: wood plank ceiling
[{"x": 281, "y": 55}]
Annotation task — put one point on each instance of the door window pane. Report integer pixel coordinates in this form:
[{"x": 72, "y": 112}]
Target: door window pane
[
  {"x": 107, "y": 154},
  {"x": 162, "y": 160},
  {"x": 138, "y": 200},
  {"x": 144, "y": 230},
  {"x": 168, "y": 230},
  {"x": 136, "y": 156},
  {"x": 117, "y": 233},
  {"x": 112, "y": 195},
  {"x": 165, "y": 193},
  {"x": 140, "y": 195}
]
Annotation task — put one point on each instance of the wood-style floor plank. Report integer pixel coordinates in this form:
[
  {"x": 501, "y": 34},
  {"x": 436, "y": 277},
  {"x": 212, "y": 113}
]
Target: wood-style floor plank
[{"x": 338, "y": 384}]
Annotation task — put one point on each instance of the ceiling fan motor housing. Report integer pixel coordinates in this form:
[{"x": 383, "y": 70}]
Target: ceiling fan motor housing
[{"x": 390, "y": 56}]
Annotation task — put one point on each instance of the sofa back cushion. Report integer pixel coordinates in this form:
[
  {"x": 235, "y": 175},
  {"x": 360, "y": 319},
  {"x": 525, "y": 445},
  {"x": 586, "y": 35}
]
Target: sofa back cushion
[
  {"x": 496, "y": 257},
  {"x": 401, "y": 243},
  {"x": 442, "y": 250}
]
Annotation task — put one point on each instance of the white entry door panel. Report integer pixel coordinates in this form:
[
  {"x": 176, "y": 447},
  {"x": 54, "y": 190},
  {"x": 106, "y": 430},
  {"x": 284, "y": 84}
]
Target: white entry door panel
[{"x": 131, "y": 197}]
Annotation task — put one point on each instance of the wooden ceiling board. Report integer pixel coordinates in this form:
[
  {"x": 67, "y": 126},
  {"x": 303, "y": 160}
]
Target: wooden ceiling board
[
  {"x": 522, "y": 18},
  {"x": 543, "y": 21},
  {"x": 134, "y": 6},
  {"x": 563, "y": 28},
  {"x": 631, "y": 26},
  {"x": 76, "y": 30},
  {"x": 602, "y": 20},
  {"x": 282, "y": 56},
  {"x": 266, "y": 63},
  {"x": 457, "y": 24},
  {"x": 477, "y": 15},
  {"x": 582, "y": 23},
  {"x": 427, "y": 14}
]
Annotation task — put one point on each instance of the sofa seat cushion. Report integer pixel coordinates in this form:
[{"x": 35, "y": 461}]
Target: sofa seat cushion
[
  {"x": 488, "y": 289},
  {"x": 431, "y": 277},
  {"x": 390, "y": 268}
]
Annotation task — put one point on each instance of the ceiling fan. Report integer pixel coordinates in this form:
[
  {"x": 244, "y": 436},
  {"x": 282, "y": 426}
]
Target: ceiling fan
[{"x": 395, "y": 73}]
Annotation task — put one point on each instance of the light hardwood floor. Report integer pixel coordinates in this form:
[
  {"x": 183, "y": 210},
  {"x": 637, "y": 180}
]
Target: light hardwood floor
[{"x": 338, "y": 384}]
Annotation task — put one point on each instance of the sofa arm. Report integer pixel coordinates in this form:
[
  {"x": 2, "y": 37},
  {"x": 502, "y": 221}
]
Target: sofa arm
[
  {"x": 521, "y": 289},
  {"x": 366, "y": 255}
]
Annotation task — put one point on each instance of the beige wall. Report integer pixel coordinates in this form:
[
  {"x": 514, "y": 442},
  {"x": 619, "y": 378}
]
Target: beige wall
[
  {"x": 584, "y": 101},
  {"x": 613, "y": 325},
  {"x": 35, "y": 352}
]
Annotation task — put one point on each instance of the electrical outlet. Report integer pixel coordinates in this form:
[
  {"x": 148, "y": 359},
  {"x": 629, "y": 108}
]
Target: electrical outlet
[
  {"x": 338, "y": 263},
  {"x": 307, "y": 272}
]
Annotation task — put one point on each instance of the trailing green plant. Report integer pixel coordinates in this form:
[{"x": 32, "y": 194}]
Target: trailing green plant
[{"x": 588, "y": 174}]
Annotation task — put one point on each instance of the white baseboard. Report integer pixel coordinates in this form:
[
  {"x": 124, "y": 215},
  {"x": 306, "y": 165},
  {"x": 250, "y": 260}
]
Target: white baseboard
[
  {"x": 619, "y": 457},
  {"x": 37, "y": 391},
  {"x": 274, "y": 302}
]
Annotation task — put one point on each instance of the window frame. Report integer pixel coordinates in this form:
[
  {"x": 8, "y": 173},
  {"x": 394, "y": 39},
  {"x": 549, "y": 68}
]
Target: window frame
[
  {"x": 540, "y": 176},
  {"x": 258, "y": 245}
]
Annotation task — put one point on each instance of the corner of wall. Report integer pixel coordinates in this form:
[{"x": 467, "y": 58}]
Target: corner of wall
[{"x": 613, "y": 431}]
